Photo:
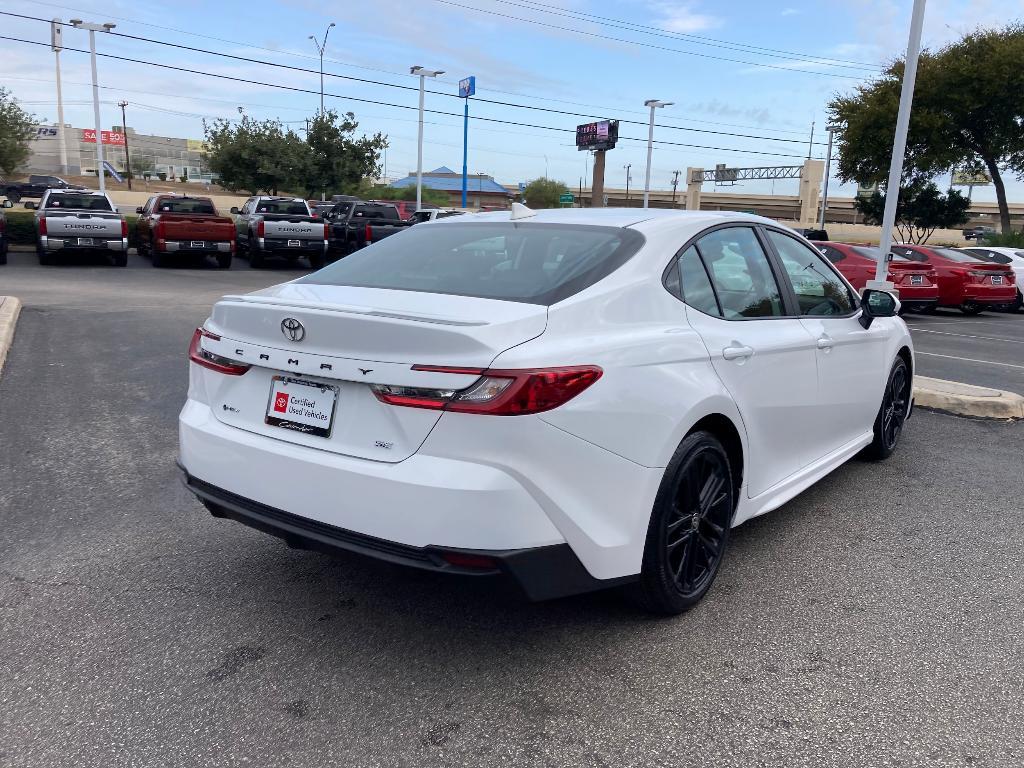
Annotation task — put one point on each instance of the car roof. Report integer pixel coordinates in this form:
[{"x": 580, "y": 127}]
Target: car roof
[{"x": 641, "y": 218}]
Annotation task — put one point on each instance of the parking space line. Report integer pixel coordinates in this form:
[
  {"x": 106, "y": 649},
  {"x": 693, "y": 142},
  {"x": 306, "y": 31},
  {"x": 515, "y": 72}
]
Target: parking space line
[
  {"x": 969, "y": 336},
  {"x": 969, "y": 359},
  {"x": 915, "y": 323}
]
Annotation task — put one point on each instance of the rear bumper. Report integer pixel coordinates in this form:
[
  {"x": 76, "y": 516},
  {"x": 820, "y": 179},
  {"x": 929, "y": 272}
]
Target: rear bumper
[
  {"x": 991, "y": 295},
  {"x": 538, "y": 573},
  {"x": 281, "y": 247},
  {"x": 49, "y": 243},
  {"x": 205, "y": 246}
]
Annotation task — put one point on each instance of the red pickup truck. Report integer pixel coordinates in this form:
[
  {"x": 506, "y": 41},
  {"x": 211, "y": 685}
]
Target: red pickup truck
[{"x": 173, "y": 226}]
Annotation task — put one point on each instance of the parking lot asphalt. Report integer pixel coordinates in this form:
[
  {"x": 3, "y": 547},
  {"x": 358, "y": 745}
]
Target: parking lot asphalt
[
  {"x": 874, "y": 620},
  {"x": 987, "y": 350}
]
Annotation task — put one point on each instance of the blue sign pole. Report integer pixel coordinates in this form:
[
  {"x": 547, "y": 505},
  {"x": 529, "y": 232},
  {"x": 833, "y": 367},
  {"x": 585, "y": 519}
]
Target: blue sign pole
[{"x": 467, "y": 87}]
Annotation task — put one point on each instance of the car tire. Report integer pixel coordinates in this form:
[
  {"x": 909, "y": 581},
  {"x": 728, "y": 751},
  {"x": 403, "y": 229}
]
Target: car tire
[
  {"x": 45, "y": 258},
  {"x": 121, "y": 259},
  {"x": 892, "y": 413},
  {"x": 224, "y": 261},
  {"x": 3, "y": 257},
  {"x": 317, "y": 261},
  {"x": 255, "y": 255},
  {"x": 689, "y": 528},
  {"x": 156, "y": 258},
  {"x": 971, "y": 308},
  {"x": 14, "y": 197}
]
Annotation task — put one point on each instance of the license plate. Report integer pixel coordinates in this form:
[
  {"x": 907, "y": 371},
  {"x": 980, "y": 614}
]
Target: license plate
[
  {"x": 917, "y": 279},
  {"x": 198, "y": 244},
  {"x": 85, "y": 241},
  {"x": 294, "y": 243},
  {"x": 302, "y": 406},
  {"x": 997, "y": 279}
]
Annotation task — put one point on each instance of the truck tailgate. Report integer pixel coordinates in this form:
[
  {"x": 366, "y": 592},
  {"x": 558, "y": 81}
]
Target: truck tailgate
[
  {"x": 196, "y": 227},
  {"x": 106, "y": 226}
]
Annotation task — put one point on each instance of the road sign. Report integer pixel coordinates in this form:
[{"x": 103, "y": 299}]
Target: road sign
[
  {"x": 967, "y": 179},
  {"x": 566, "y": 198},
  {"x": 467, "y": 87},
  {"x": 866, "y": 190}
]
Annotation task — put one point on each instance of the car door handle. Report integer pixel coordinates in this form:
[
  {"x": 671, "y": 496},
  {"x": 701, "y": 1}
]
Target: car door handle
[
  {"x": 825, "y": 342},
  {"x": 737, "y": 352}
]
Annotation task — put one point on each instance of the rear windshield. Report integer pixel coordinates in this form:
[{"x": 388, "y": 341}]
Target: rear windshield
[
  {"x": 531, "y": 263},
  {"x": 958, "y": 256},
  {"x": 286, "y": 207},
  {"x": 376, "y": 212},
  {"x": 79, "y": 202},
  {"x": 172, "y": 205}
]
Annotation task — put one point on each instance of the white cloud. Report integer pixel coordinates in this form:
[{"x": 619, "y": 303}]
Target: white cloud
[{"x": 682, "y": 18}]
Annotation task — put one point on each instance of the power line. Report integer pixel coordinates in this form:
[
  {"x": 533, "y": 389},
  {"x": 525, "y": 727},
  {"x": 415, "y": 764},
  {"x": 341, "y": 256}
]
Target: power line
[
  {"x": 643, "y": 44},
  {"x": 295, "y": 89},
  {"x": 689, "y": 37},
  {"x": 494, "y": 102}
]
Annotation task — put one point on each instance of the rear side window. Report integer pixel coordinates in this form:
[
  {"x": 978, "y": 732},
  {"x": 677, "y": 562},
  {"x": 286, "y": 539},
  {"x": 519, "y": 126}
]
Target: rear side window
[
  {"x": 79, "y": 202},
  {"x": 740, "y": 272},
  {"x": 818, "y": 289},
  {"x": 690, "y": 282},
  {"x": 832, "y": 254},
  {"x": 526, "y": 262}
]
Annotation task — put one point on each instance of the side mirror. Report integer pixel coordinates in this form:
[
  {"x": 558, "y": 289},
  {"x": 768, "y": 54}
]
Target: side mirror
[
  {"x": 139, "y": 209},
  {"x": 234, "y": 209},
  {"x": 876, "y": 303},
  {"x": 8, "y": 204},
  {"x": 30, "y": 205}
]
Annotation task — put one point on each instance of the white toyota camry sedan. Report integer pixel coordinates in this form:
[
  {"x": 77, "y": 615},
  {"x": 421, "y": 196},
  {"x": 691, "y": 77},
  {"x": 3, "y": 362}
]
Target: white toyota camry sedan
[{"x": 569, "y": 399}]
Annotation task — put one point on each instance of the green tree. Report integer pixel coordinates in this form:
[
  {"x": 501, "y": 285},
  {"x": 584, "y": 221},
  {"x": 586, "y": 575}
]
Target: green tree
[
  {"x": 338, "y": 159},
  {"x": 920, "y": 210},
  {"x": 544, "y": 193},
  {"x": 257, "y": 156},
  {"x": 142, "y": 164},
  {"x": 16, "y": 130},
  {"x": 968, "y": 112}
]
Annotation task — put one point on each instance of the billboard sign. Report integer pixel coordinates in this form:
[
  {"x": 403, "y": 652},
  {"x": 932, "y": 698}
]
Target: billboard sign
[
  {"x": 115, "y": 138},
  {"x": 597, "y": 136},
  {"x": 867, "y": 189},
  {"x": 46, "y": 132},
  {"x": 969, "y": 179},
  {"x": 467, "y": 87}
]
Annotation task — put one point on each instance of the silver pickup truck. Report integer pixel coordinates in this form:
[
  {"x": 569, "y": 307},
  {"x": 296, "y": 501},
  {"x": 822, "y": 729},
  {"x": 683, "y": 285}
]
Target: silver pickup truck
[
  {"x": 79, "y": 222},
  {"x": 280, "y": 226}
]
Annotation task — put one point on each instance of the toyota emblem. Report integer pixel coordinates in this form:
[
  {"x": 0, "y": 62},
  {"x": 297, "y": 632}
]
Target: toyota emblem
[{"x": 293, "y": 329}]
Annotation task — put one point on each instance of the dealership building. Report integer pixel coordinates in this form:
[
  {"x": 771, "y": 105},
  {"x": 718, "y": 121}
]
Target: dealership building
[
  {"x": 482, "y": 191},
  {"x": 161, "y": 154}
]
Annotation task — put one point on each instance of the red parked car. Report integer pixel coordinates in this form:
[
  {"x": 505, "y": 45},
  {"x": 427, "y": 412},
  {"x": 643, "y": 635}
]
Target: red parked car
[
  {"x": 965, "y": 282},
  {"x": 916, "y": 283}
]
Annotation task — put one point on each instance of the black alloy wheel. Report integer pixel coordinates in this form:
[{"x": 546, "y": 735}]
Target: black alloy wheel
[
  {"x": 893, "y": 412},
  {"x": 689, "y": 527}
]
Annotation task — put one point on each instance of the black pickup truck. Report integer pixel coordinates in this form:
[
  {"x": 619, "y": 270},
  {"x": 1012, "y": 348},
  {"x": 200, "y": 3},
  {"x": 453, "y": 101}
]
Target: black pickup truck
[
  {"x": 36, "y": 186},
  {"x": 354, "y": 225}
]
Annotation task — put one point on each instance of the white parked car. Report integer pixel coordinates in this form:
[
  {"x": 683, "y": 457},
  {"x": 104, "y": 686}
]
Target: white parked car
[
  {"x": 1013, "y": 257},
  {"x": 573, "y": 399}
]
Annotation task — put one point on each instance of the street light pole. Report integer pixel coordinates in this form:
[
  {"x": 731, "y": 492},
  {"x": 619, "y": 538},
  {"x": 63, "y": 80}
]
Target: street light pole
[
  {"x": 320, "y": 48},
  {"x": 899, "y": 148},
  {"x": 124, "y": 130},
  {"x": 423, "y": 74},
  {"x": 831, "y": 127},
  {"x": 653, "y": 104},
  {"x": 93, "y": 29},
  {"x": 627, "y": 167},
  {"x": 56, "y": 32}
]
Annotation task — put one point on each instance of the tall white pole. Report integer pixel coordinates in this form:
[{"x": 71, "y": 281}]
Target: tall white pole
[
  {"x": 61, "y": 141},
  {"x": 96, "y": 113},
  {"x": 419, "y": 154},
  {"x": 828, "y": 170},
  {"x": 650, "y": 149},
  {"x": 899, "y": 148}
]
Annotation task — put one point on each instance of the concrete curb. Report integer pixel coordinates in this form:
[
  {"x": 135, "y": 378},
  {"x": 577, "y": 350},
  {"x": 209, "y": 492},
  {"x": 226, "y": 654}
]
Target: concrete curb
[
  {"x": 966, "y": 399},
  {"x": 10, "y": 308}
]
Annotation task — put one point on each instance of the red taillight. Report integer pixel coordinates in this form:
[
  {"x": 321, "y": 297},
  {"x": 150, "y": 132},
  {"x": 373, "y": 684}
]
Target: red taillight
[
  {"x": 368, "y": 234},
  {"x": 977, "y": 276},
  {"x": 42, "y": 225},
  {"x": 327, "y": 231},
  {"x": 260, "y": 229},
  {"x": 124, "y": 228},
  {"x": 207, "y": 359},
  {"x": 496, "y": 392}
]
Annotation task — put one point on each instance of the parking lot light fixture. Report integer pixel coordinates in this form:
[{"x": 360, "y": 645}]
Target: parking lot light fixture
[
  {"x": 653, "y": 104},
  {"x": 320, "y": 48},
  {"x": 93, "y": 29},
  {"x": 423, "y": 73}
]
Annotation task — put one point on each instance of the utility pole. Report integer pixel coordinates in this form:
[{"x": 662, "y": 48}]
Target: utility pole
[
  {"x": 597, "y": 185},
  {"x": 423, "y": 74},
  {"x": 627, "y": 167},
  {"x": 653, "y": 104},
  {"x": 124, "y": 130},
  {"x": 56, "y": 32},
  {"x": 320, "y": 48},
  {"x": 810, "y": 144},
  {"x": 93, "y": 29},
  {"x": 675, "y": 185},
  {"x": 831, "y": 127},
  {"x": 899, "y": 148}
]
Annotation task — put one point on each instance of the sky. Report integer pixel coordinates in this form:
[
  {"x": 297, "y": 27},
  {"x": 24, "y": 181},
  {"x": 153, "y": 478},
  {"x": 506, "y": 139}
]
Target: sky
[{"x": 746, "y": 79}]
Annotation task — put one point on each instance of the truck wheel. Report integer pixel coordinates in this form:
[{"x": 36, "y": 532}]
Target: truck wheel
[
  {"x": 255, "y": 255},
  {"x": 317, "y": 261},
  {"x": 224, "y": 260},
  {"x": 3, "y": 257},
  {"x": 121, "y": 259},
  {"x": 45, "y": 259},
  {"x": 155, "y": 257},
  {"x": 14, "y": 197}
]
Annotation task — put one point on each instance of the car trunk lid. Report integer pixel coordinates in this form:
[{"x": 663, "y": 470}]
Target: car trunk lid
[{"x": 345, "y": 339}]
